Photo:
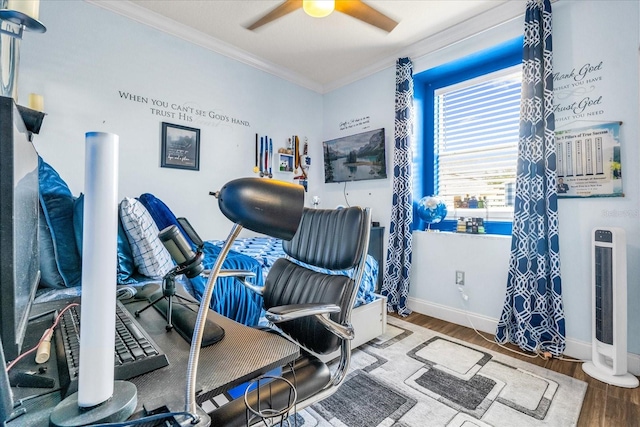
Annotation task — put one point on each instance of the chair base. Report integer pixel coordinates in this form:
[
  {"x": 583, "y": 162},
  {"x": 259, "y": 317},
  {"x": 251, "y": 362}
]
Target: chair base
[{"x": 310, "y": 376}]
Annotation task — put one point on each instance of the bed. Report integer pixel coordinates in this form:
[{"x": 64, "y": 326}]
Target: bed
[{"x": 143, "y": 259}]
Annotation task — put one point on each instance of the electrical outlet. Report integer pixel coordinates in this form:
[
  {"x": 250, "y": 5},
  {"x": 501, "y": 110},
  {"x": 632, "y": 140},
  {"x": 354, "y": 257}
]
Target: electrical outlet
[{"x": 459, "y": 278}]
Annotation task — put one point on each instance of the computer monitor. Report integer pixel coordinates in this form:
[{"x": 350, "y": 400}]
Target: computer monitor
[{"x": 19, "y": 212}]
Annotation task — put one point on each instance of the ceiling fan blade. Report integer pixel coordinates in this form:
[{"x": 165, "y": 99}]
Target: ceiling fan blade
[
  {"x": 285, "y": 8},
  {"x": 366, "y": 13}
]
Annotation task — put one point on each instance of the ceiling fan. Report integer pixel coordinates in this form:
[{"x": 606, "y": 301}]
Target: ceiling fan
[{"x": 322, "y": 8}]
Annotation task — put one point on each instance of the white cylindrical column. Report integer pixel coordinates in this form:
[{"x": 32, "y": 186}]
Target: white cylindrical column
[{"x": 99, "y": 269}]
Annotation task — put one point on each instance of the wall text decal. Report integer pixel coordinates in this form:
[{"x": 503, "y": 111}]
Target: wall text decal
[
  {"x": 360, "y": 122},
  {"x": 189, "y": 112},
  {"x": 577, "y": 93}
]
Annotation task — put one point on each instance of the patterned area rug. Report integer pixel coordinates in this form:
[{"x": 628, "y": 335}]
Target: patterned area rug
[{"x": 412, "y": 376}]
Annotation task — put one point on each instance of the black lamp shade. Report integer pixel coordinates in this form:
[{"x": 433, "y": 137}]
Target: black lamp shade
[{"x": 265, "y": 206}]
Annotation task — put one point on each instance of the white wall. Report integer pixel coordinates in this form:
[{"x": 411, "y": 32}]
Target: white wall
[
  {"x": 482, "y": 259},
  {"x": 373, "y": 98},
  {"x": 585, "y": 31},
  {"x": 88, "y": 56},
  {"x": 590, "y": 32}
]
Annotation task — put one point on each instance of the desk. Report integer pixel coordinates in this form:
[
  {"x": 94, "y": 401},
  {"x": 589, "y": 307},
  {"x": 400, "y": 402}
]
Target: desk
[{"x": 244, "y": 353}]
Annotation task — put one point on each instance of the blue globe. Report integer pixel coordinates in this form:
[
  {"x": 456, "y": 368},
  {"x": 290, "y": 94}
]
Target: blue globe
[{"x": 431, "y": 209}]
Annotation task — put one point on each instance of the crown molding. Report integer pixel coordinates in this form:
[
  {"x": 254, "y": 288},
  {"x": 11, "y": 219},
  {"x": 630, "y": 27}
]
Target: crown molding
[
  {"x": 161, "y": 23},
  {"x": 487, "y": 20}
]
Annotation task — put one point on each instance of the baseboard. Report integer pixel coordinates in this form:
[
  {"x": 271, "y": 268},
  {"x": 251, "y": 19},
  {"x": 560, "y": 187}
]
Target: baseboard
[
  {"x": 454, "y": 315},
  {"x": 575, "y": 348}
]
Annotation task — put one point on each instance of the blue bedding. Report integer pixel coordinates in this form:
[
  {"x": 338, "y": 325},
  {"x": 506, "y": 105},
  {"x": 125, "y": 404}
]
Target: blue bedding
[{"x": 230, "y": 297}]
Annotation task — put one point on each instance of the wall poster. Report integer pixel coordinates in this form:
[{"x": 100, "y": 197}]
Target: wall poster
[
  {"x": 180, "y": 147},
  {"x": 588, "y": 161}
]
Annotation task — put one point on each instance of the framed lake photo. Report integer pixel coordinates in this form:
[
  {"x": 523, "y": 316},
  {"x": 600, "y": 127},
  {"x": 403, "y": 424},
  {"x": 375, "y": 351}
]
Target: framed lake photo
[
  {"x": 355, "y": 157},
  {"x": 180, "y": 147}
]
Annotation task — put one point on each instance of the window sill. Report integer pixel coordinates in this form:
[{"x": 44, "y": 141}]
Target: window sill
[
  {"x": 491, "y": 227},
  {"x": 463, "y": 235},
  {"x": 494, "y": 214}
]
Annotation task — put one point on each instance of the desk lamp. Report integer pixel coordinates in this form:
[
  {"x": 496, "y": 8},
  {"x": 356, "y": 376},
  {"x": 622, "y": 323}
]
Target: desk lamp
[{"x": 262, "y": 205}]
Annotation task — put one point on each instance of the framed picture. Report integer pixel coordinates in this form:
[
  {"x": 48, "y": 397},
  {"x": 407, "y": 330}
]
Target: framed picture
[
  {"x": 180, "y": 147},
  {"x": 355, "y": 157},
  {"x": 589, "y": 161}
]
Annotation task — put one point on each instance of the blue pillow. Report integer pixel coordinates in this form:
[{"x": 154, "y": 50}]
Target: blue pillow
[
  {"x": 49, "y": 275},
  {"x": 161, "y": 214},
  {"x": 56, "y": 201},
  {"x": 126, "y": 267}
]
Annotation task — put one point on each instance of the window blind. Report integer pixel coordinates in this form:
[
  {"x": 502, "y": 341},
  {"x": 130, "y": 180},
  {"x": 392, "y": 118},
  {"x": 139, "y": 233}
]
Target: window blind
[{"x": 476, "y": 130}]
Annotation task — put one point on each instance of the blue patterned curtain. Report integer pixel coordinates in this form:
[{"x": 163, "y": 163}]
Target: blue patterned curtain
[
  {"x": 533, "y": 316},
  {"x": 398, "y": 267}
]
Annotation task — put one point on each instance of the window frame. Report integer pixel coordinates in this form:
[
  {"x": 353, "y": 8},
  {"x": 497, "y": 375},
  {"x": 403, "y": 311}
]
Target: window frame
[{"x": 426, "y": 83}]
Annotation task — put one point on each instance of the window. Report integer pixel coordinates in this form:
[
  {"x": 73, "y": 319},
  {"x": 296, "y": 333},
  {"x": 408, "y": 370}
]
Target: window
[
  {"x": 476, "y": 127},
  {"x": 469, "y": 129}
]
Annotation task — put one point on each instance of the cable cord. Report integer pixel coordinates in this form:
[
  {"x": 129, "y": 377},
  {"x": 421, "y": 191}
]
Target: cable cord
[
  {"x": 146, "y": 419},
  {"x": 344, "y": 193},
  {"x": 540, "y": 353},
  {"x": 44, "y": 336},
  {"x": 561, "y": 357},
  {"x": 466, "y": 313}
]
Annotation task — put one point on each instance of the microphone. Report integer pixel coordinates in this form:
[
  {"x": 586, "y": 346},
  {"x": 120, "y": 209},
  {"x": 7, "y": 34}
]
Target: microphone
[
  {"x": 189, "y": 262},
  {"x": 44, "y": 349}
]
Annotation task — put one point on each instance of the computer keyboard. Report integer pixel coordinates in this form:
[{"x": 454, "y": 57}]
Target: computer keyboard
[{"x": 135, "y": 352}]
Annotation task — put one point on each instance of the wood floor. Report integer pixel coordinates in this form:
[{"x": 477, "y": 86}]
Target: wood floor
[{"x": 604, "y": 405}]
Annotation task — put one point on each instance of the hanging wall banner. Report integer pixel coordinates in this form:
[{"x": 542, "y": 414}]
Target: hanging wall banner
[{"x": 588, "y": 161}]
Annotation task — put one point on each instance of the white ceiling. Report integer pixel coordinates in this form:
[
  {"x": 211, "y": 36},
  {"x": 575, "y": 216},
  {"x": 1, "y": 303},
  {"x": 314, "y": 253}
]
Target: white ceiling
[{"x": 321, "y": 54}]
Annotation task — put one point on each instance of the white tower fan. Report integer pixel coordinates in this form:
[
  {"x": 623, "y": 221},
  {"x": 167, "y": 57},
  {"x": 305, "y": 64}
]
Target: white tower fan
[{"x": 609, "y": 304}]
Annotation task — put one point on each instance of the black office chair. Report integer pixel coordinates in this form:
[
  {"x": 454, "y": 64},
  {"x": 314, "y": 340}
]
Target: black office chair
[{"x": 311, "y": 308}]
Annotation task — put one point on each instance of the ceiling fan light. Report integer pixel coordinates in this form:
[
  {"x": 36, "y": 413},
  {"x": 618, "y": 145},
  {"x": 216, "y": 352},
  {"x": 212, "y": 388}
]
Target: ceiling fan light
[{"x": 318, "y": 8}]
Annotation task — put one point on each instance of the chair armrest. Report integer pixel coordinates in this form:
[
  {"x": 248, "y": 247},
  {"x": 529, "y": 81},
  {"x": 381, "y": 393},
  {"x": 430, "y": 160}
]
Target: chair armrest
[
  {"x": 231, "y": 273},
  {"x": 236, "y": 273},
  {"x": 242, "y": 275},
  {"x": 295, "y": 311},
  {"x": 283, "y": 313}
]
